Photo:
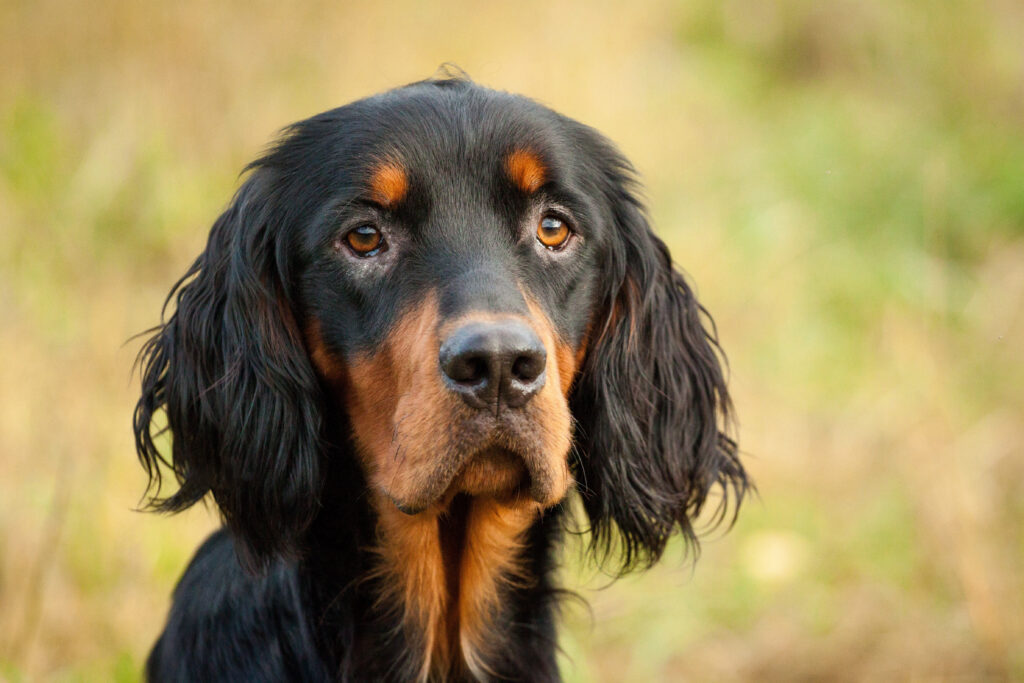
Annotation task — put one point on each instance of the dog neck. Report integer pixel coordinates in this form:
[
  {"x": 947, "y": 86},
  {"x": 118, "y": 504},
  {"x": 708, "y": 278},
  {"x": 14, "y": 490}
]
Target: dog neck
[
  {"x": 436, "y": 590},
  {"x": 444, "y": 571}
]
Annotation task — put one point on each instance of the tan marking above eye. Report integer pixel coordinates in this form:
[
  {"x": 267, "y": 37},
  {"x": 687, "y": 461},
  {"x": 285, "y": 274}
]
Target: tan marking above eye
[
  {"x": 388, "y": 184},
  {"x": 526, "y": 170},
  {"x": 552, "y": 232},
  {"x": 364, "y": 240}
]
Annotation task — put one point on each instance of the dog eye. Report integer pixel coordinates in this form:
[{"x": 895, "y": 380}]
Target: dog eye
[
  {"x": 365, "y": 240},
  {"x": 552, "y": 232}
]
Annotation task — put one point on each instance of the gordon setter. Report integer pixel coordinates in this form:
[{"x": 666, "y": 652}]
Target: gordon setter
[{"x": 425, "y": 318}]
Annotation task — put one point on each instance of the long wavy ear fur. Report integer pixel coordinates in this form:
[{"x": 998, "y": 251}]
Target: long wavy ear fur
[
  {"x": 240, "y": 397},
  {"x": 651, "y": 403}
]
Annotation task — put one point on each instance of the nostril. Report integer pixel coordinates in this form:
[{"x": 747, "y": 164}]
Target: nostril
[
  {"x": 466, "y": 369},
  {"x": 528, "y": 366}
]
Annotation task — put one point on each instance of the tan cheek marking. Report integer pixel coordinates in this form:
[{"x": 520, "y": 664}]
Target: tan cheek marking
[
  {"x": 567, "y": 359},
  {"x": 423, "y": 413},
  {"x": 328, "y": 365},
  {"x": 398, "y": 383},
  {"x": 581, "y": 352},
  {"x": 526, "y": 170},
  {"x": 388, "y": 183},
  {"x": 550, "y": 407},
  {"x": 370, "y": 398}
]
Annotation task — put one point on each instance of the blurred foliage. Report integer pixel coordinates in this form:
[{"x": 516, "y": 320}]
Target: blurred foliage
[{"x": 844, "y": 181}]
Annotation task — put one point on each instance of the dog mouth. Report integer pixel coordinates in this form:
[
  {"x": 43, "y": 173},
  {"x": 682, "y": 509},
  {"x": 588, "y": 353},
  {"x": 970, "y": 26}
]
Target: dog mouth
[
  {"x": 492, "y": 472},
  {"x": 517, "y": 461},
  {"x": 496, "y": 472}
]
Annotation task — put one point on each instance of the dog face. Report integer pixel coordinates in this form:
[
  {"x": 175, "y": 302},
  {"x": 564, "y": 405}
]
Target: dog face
[
  {"x": 446, "y": 289},
  {"x": 467, "y": 280}
]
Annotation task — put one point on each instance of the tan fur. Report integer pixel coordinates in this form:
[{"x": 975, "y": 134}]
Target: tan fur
[
  {"x": 526, "y": 170},
  {"x": 491, "y": 561},
  {"x": 388, "y": 183},
  {"x": 398, "y": 406},
  {"x": 413, "y": 581},
  {"x": 453, "y": 628},
  {"x": 323, "y": 360},
  {"x": 554, "y": 416},
  {"x": 402, "y": 417}
]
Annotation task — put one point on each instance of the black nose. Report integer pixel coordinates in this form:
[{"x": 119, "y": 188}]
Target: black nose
[{"x": 494, "y": 363}]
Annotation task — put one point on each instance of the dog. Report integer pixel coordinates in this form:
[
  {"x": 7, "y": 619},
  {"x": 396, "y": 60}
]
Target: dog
[{"x": 427, "y": 322}]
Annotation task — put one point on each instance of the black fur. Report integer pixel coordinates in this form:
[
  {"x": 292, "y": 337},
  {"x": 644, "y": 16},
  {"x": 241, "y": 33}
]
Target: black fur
[
  {"x": 253, "y": 424},
  {"x": 651, "y": 399},
  {"x": 229, "y": 370}
]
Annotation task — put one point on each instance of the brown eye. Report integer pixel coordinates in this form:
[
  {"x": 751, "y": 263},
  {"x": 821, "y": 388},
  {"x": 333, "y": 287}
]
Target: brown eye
[
  {"x": 552, "y": 232},
  {"x": 365, "y": 240}
]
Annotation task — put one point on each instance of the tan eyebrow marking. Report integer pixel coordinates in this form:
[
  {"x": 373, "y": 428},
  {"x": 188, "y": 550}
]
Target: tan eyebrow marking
[
  {"x": 526, "y": 170},
  {"x": 388, "y": 183}
]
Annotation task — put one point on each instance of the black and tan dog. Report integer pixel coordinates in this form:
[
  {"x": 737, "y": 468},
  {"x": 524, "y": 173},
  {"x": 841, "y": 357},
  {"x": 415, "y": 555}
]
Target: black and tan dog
[{"x": 424, "y": 319}]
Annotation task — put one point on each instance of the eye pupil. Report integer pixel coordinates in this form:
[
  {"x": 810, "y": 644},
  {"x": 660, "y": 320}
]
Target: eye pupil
[
  {"x": 364, "y": 240},
  {"x": 552, "y": 232}
]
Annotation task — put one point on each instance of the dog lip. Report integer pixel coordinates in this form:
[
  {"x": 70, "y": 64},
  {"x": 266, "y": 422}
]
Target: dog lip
[
  {"x": 541, "y": 491},
  {"x": 405, "y": 508},
  {"x": 492, "y": 471},
  {"x": 496, "y": 467}
]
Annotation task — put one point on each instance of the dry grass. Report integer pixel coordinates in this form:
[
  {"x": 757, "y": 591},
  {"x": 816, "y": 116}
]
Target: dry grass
[{"x": 844, "y": 181}]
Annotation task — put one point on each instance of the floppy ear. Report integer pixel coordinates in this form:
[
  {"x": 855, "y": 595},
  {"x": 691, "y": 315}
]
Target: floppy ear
[
  {"x": 651, "y": 402},
  {"x": 241, "y": 400}
]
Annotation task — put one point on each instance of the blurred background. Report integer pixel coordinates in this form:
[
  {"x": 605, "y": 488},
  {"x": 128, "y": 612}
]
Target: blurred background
[{"x": 844, "y": 182}]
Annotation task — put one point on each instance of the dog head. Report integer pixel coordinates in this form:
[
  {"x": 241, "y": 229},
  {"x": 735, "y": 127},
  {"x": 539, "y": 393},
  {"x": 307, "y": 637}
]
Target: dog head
[{"x": 467, "y": 282}]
